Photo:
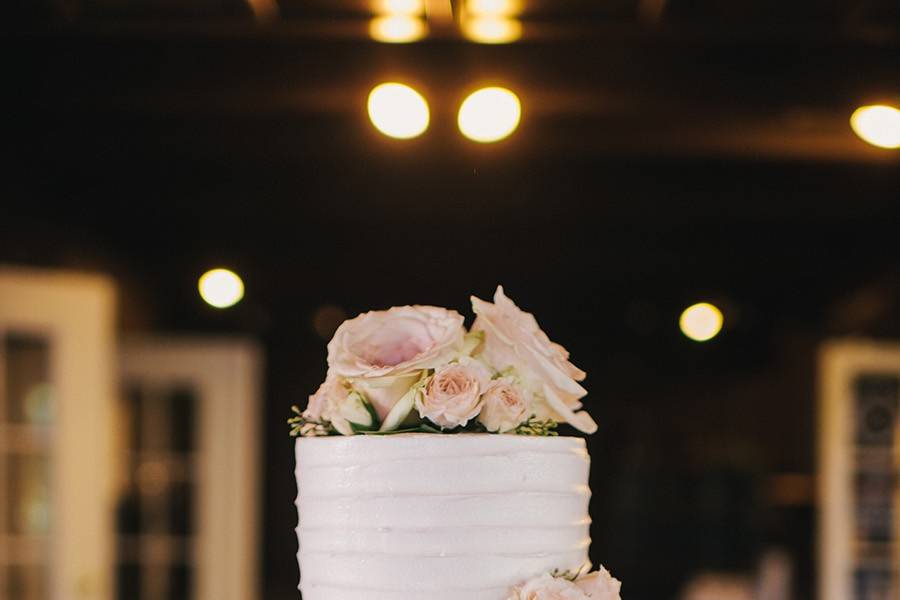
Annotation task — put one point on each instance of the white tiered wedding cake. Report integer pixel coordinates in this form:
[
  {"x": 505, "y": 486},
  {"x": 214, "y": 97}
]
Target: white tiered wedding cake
[{"x": 405, "y": 490}]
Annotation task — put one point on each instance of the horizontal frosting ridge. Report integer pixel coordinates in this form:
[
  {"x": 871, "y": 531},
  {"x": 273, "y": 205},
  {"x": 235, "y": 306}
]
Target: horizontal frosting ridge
[
  {"x": 420, "y": 573},
  {"x": 410, "y": 517}
]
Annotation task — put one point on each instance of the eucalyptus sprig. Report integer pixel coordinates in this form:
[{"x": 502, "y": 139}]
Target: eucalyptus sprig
[
  {"x": 303, "y": 427},
  {"x": 538, "y": 427}
]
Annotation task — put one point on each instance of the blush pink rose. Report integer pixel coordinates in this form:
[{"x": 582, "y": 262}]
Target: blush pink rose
[
  {"x": 600, "y": 585},
  {"x": 504, "y": 407},
  {"x": 382, "y": 353},
  {"x": 453, "y": 395},
  {"x": 513, "y": 339},
  {"x": 330, "y": 394},
  {"x": 547, "y": 587}
]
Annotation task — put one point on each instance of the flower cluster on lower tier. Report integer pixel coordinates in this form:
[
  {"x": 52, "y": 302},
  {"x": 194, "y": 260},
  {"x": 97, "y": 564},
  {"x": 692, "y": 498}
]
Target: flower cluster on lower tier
[
  {"x": 416, "y": 368},
  {"x": 599, "y": 585}
]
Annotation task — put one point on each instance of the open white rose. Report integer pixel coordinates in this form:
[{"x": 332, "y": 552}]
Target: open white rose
[
  {"x": 513, "y": 339},
  {"x": 600, "y": 585},
  {"x": 383, "y": 353},
  {"x": 453, "y": 395},
  {"x": 504, "y": 407},
  {"x": 547, "y": 587}
]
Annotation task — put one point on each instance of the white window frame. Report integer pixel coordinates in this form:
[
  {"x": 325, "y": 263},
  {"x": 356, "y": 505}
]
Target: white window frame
[
  {"x": 76, "y": 313},
  {"x": 840, "y": 362},
  {"x": 226, "y": 374}
]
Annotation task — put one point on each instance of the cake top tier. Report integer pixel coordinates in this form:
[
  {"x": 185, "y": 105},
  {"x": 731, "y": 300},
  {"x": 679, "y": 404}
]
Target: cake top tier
[
  {"x": 423, "y": 463},
  {"x": 417, "y": 369}
]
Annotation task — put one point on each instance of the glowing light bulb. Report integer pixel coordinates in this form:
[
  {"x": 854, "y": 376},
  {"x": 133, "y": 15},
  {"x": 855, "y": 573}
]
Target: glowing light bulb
[
  {"x": 221, "y": 288},
  {"x": 701, "y": 322},
  {"x": 398, "y": 111},
  {"x": 399, "y": 7},
  {"x": 492, "y": 29},
  {"x": 489, "y": 114},
  {"x": 503, "y": 8},
  {"x": 878, "y": 125},
  {"x": 397, "y": 29}
]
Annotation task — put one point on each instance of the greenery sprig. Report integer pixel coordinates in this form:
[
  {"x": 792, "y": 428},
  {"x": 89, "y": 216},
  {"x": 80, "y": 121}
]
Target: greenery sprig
[
  {"x": 301, "y": 426},
  {"x": 538, "y": 427},
  {"x": 422, "y": 428},
  {"x": 568, "y": 574},
  {"x": 304, "y": 427}
]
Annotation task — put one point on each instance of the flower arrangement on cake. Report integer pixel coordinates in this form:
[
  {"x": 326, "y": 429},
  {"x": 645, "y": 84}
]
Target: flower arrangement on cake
[
  {"x": 599, "y": 585},
  {"x": 422, "y": 514},
  {"x": 417, "y": 369}
]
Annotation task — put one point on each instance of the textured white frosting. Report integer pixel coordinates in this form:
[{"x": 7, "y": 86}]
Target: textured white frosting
[{"x": 435, "y": 517}]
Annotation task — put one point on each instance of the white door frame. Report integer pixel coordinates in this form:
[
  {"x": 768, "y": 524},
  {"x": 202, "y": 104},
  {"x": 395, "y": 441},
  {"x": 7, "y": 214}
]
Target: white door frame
[
  {"x": 77, "y": 314},
  {"x": 840, "y": 362},
  {"x": 226, "y": 373}
]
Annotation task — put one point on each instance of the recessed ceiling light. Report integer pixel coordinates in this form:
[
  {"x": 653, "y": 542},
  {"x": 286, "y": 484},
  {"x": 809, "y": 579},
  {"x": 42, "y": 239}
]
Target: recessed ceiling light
[
  {"x": 397, "y": 29},
  {"x": 399, "y": 7},
  {"x": 491, "y": 29},
  {"x": 489, "y": 114},
  {"x": 221, "y": 288},
  {"x": 701, "y": 322},
  {"x": 502, "y": 8},
  {"x": 878, "y": 125},
  {"x": 398, "y": 111}
]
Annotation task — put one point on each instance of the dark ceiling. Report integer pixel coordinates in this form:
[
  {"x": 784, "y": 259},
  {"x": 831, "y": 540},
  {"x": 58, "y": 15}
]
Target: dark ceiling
[
  {"x": 757, "y": 80},
  {"x": 835, "y": 12}
]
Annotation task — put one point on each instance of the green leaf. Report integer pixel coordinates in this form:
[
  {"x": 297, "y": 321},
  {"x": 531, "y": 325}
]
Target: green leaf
[
  {"x": 417, "y": 429},
  {"x": 475, "y": 426},
  {"x": 376, "y": 422},
  {"x": 358, "y": 428}
]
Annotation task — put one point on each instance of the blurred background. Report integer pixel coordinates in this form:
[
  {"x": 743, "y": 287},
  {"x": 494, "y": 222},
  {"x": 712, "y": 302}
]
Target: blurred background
[{"x": 699, "y": 198}]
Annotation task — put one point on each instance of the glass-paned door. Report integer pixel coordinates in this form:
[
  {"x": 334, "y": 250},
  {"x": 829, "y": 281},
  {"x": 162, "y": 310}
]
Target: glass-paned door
[
  {"x": 187, "y": 522},
  {"x": 26, "y": 408},
  {"x": 57, "y": 353},
  {"x": 859, "y": 453},
  {"x": 156, "y": 515}
]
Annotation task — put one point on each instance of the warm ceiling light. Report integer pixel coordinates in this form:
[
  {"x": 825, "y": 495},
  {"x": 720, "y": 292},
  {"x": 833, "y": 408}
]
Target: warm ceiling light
[
  {"x": 878, "y": 125},
  {"x": 221, "y": 288},
  {"x": 399, "y": 7},
  {"x": 397, "y": 29},
  {"x": 492, "y": 30},
  {"x": 398, "y": 111},
  {"x": 497, "y": 8},
  {"x": 264, "y": 10},
  {"x": 701, "y": 322},
  {"x": 489, "y": 114}
]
